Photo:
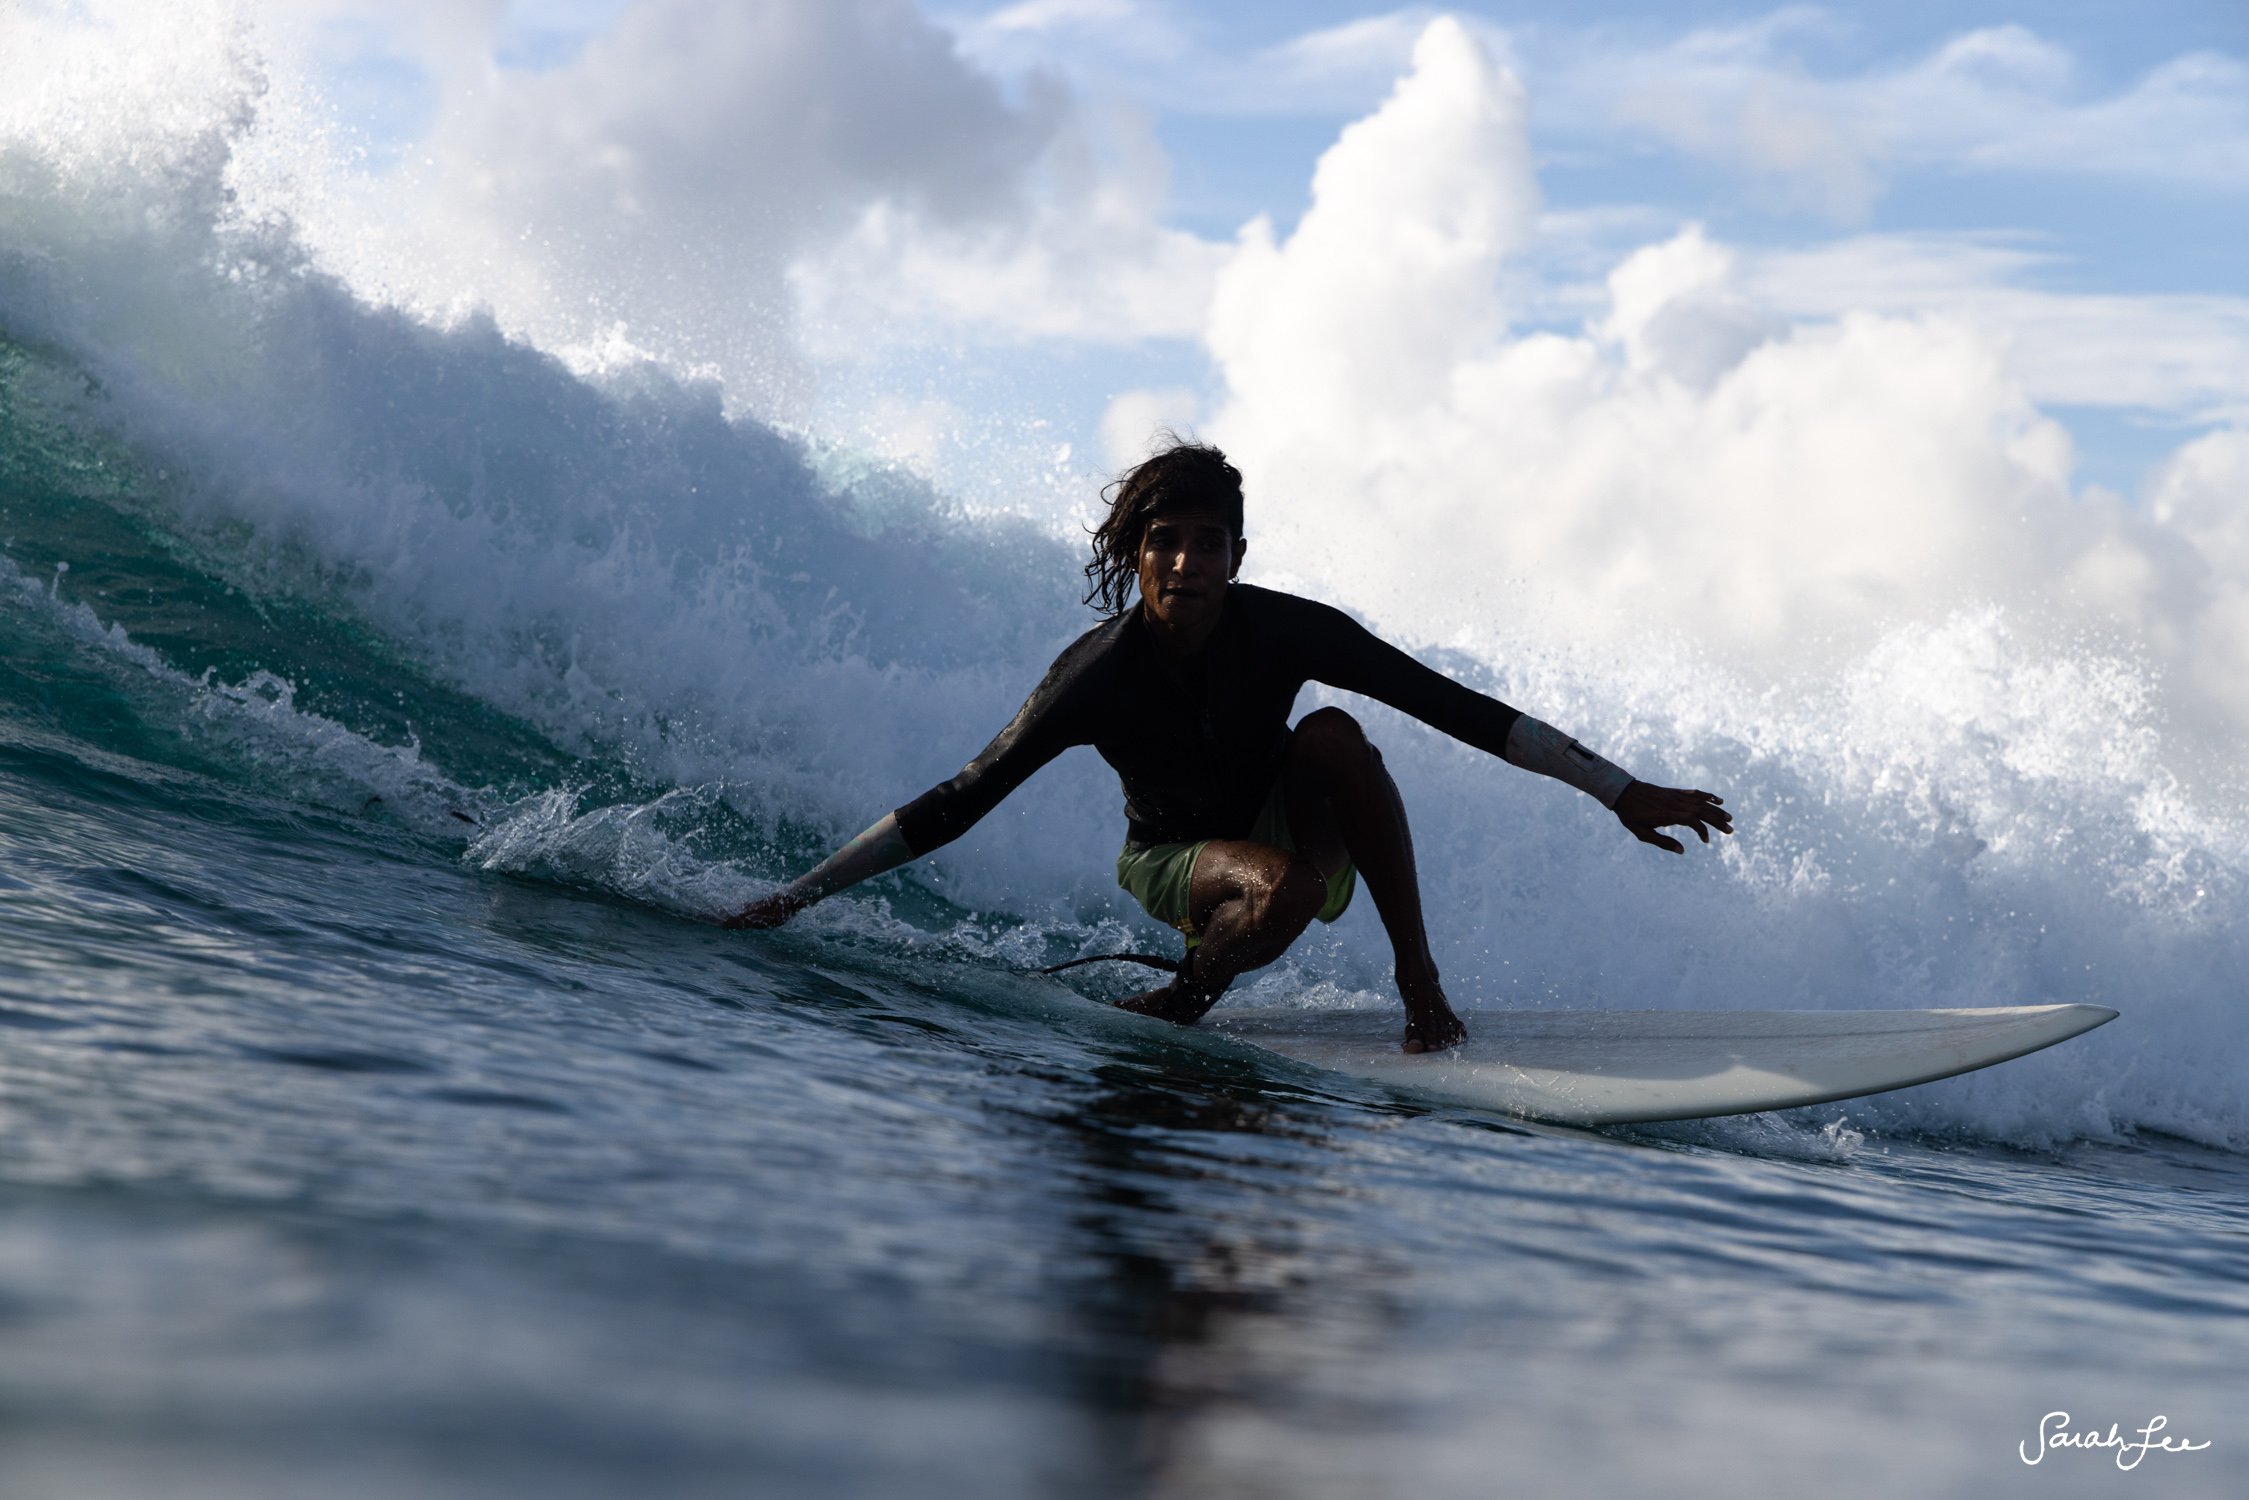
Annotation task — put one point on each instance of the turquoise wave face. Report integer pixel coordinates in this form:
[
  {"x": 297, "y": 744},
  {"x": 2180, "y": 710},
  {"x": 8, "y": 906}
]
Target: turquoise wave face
[
  {"x": 87, "y": 522},
  {"x": 150, "y": 613}
]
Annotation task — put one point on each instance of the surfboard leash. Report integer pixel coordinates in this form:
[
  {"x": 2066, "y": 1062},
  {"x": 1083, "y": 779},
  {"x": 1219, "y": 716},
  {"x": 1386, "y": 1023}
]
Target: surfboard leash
[{"x": 1152, "y": 960}]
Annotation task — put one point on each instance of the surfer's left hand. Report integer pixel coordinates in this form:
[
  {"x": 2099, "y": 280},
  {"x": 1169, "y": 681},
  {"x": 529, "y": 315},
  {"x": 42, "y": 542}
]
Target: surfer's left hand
[
  {"x": 1643, "y": 809},
  {"x": 770, "y": 912}
]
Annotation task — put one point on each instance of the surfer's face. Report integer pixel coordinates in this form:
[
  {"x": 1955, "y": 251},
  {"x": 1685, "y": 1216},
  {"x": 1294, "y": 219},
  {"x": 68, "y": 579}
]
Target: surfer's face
[{"x": 1186, "y": 560}]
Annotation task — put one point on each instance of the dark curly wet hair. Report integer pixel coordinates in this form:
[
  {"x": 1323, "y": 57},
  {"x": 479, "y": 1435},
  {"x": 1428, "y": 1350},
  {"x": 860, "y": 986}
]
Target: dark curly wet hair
[{"x": 1181, "y": 476}]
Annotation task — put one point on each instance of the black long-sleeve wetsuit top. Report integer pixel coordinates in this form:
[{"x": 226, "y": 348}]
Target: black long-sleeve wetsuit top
[{"x": 1197, "y": 740}]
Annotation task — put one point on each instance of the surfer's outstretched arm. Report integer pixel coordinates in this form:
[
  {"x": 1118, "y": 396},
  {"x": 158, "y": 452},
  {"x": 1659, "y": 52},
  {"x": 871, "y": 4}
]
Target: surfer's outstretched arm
[
  {"x": 1042, "y": 728},
  {"x": 881, "y": 847},
  {"x": 1348, "y": 655},
  {"x": 1640, "y": 806}
]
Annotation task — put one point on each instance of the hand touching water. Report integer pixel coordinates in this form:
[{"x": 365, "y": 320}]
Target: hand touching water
[{"x": 770, "y": 912}]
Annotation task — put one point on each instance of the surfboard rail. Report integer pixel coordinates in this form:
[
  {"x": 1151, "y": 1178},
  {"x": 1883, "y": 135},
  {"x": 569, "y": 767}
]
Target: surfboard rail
[{"x": 1618, "y": 1067}]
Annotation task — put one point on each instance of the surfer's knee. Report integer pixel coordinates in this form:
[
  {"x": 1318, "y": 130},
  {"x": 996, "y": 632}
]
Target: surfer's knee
[
  {"x": 1332, "y": 747},
  {"x": 1331, "y": 728},
  {"x": 1333, "y": 738}
]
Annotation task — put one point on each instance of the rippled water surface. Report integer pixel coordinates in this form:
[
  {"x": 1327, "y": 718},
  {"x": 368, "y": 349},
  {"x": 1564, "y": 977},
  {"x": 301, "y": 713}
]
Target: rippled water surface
[{"x": 330, "y": 1166}]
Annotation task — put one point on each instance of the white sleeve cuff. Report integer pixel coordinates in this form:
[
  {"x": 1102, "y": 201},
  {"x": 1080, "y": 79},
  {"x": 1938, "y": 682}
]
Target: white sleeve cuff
[{"x": 1540, "y": 747}]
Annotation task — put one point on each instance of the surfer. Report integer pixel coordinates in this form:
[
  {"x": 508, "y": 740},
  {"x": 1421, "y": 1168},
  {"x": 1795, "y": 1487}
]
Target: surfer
[{"x": 1240, "y": 830}]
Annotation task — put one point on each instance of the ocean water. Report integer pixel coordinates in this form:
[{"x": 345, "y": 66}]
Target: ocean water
[{"x": 386, "y": 707}]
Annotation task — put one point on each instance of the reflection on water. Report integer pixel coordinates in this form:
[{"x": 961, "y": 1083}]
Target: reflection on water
[{"x": 1189, "y": 1313}]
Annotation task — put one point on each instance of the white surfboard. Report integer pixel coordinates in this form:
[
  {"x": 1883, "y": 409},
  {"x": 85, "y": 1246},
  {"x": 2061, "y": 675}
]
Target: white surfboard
[{"x": 1615, "y": 1067}]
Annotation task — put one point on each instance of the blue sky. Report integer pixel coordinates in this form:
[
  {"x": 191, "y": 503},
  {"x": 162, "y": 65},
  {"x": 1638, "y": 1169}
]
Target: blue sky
[
  {"x": 1235, "y": 158},
  {"x": 2095, "y": 231},
  {"x": 1237, "y": 155},
  {"x": 1241, "y": 100}
]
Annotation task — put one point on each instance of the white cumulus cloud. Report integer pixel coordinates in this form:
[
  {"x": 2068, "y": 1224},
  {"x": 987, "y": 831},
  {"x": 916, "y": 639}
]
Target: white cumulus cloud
[
  {"x": 1697, "y": 465},
  {"x": 1086, "y": 256},
  {"x": 655, "y": 189}
]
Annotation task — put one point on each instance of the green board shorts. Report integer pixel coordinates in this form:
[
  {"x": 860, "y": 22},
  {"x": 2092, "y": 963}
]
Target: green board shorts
[{"x": 1161, "y": 875}]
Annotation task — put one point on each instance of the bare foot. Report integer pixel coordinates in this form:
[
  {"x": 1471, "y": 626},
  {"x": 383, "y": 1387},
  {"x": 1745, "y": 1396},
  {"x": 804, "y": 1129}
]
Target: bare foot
[
  {"x": 1433, "y": 1033},
  {"x": 1182, "y": 1002},
  {"x": 1167, "y": 1003},
  {"x": 1431, "y": 1025}
]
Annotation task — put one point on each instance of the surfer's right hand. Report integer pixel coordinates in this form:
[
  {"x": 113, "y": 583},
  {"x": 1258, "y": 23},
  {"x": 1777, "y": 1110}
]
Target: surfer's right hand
[{"x": 770, "y": 912}]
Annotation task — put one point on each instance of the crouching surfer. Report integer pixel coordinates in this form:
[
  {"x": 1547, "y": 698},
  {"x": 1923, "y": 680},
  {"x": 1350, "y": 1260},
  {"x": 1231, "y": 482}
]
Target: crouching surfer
[{"x": 1241, "y": 830}]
